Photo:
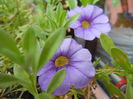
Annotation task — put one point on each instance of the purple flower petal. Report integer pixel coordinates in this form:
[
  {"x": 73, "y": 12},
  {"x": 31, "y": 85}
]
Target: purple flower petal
[
  {"x": 87, "y": 11},
  {"x": 69, "y": 46},
  {"x": 81, "y": 55},
  {"x": 74, "y": 12},
  {"x": 96, "y": 12},
  {"x": 45, "y": 79},
  {"x": 102, "y": 28},
  {"x": 85, "y": 67},
  {"x": 79, "y": 32},
  {"x": 74, "y": 47},
  {"x": 76, "y": 24},
  {"x": 57, "y": 54},
  {"x": 95, "y": 32},
  {"x": 79, "y": 69},
  {"x": 77, "y": 79},
  {"x": 97, "y": 19},
  {"x": 65, "y": 46},
  {"x": 101, "y": 19},
  {"x": 45, "y": 68},
  {"x": 88, "y": 35}
]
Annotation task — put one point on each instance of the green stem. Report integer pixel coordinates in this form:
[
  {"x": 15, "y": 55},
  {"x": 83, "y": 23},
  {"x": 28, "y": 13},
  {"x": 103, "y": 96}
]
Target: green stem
[
  {"x": 129, "y": 89},
  {"x": 33, "y": 80}
]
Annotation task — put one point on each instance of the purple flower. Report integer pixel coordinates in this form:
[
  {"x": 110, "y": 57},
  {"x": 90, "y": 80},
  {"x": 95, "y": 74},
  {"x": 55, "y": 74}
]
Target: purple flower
[
  {"x": 91, "y": 23},
  {"x": 77, "y": 62}
]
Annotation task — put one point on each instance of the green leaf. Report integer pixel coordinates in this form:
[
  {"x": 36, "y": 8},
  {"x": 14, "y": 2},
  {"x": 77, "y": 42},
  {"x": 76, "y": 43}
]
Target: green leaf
[
  {"x": 29, "y": 40},
  {"x": 7, "y": 80},
  {"x": 56, "y": 1},
  {"x": 77, "y": 91},
  {"x": 95, "y": 1},
  {"x": 8, "y": 47},
  {"x": 43, "y": 96},
  {"x": 72, "y": 3},
  {"x": 51, "y": 46},
  {"x": 61, "y": 15},
  {"x": 121, "y": 58},
  {"x": 24, "y": 79},
  {"x": 86, "y": 2},
  {"x": 56, "y": 81},
  {"x": 63, "y": 18},
  {"x": 48, "y": 1},
  {"x": 106, "y": 43},
  {"x": 129, "y": 89},
  {"x": 72, "y": 19},
  {"x": 59, "y": 11},
  {"x": 113, "y": 90},
  {"x": 31, "y": 48},
  {"x": 95, "y": 63}
]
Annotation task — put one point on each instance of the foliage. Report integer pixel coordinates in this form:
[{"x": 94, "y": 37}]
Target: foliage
[
  {"x": 121, "y": 59},
  {"x": 31, "y": 31}
]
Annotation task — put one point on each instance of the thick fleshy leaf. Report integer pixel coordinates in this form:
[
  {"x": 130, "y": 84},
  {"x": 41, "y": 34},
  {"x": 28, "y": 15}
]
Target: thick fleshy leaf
[
  {"x": 45, "y": 79},
  {"x": 76, "y": 24},
  {"x": 31, "y": 48},
  {"x": 8, "y": 47},
  {"x": 7, "y": 42},
  {"x": 7, "y": 80},
  {"x": 86, "y": 2},
  {"x": 72, "y": 3},
  {"x": 61, "y": 15},
  {"x": 51, "y": 46},
  {"x": 24, "y": 79},
  {"x": 95, "y": 1},
  {"x": 62, "y": 18},
  {"x": 29, "y": 40},
  {"x": 64, "y": 87},
  {"x": 106, "y": 43},
  {"x": 56, "y": 81},
  {"x": 71, "y": 20},
  {"x": 121, "y": 58},
  {"x": 43, "y": 96}
]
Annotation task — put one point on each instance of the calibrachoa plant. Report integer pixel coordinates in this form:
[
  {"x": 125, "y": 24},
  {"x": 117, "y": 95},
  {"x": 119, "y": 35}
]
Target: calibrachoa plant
[
  {"x": 91, "y": 23},
  {"x": 46, "y": 62},
  {"x": 77, "y": 62}
]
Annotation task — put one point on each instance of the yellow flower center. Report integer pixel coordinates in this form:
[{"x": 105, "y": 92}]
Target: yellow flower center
[
  {"x": 61, "y": 61},
  {"x": 85, "y": 24}
]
